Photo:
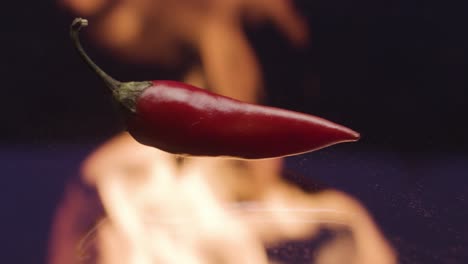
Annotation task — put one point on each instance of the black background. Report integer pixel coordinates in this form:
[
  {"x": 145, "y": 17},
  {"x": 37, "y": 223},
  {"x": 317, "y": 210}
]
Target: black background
[
  {"x": 393, "y": 70},
  {"x": 396, "y": 71}
]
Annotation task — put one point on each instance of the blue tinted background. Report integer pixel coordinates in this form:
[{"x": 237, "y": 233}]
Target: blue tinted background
[{"x": 420, "y": 201}]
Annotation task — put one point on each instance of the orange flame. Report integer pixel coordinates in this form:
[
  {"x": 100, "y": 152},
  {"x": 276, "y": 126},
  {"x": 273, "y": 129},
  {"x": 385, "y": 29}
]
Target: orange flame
[
  {"x": 161, "y": 31},
  {"x": 204, "y": 210}
]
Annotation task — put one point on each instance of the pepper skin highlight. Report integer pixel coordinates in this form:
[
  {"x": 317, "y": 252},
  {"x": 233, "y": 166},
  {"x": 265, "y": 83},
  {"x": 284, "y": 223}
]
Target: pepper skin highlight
[{"x": 183, "y": 119}]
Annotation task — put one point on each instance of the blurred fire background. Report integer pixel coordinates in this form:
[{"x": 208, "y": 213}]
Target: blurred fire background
[{"x": 394, "y": 70}]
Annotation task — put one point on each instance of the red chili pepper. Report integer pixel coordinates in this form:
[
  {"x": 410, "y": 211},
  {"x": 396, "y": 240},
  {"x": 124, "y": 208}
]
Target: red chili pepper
[{"x": 183, "y": 119}]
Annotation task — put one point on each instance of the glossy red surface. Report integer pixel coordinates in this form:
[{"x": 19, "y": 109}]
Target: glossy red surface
[{"x": 184, "y": 119}]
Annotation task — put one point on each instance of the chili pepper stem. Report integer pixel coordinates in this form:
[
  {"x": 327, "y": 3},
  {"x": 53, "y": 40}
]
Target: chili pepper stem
[{"x": 125, "y": 93}]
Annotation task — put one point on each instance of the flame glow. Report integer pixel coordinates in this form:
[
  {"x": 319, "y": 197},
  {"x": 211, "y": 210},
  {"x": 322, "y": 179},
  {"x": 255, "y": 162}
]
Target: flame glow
[
  {"x": 159, "y": 209},
  {"x": 163, "y": 32}
]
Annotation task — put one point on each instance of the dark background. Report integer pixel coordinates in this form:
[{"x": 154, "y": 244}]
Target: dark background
[{"x": 396, "y": 71}]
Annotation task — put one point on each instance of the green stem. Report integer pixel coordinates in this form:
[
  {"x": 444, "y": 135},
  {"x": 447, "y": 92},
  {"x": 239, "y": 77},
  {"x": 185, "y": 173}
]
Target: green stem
[
  {"x": 75, "y": 27},
  {"x": 125, "y": 93}
]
